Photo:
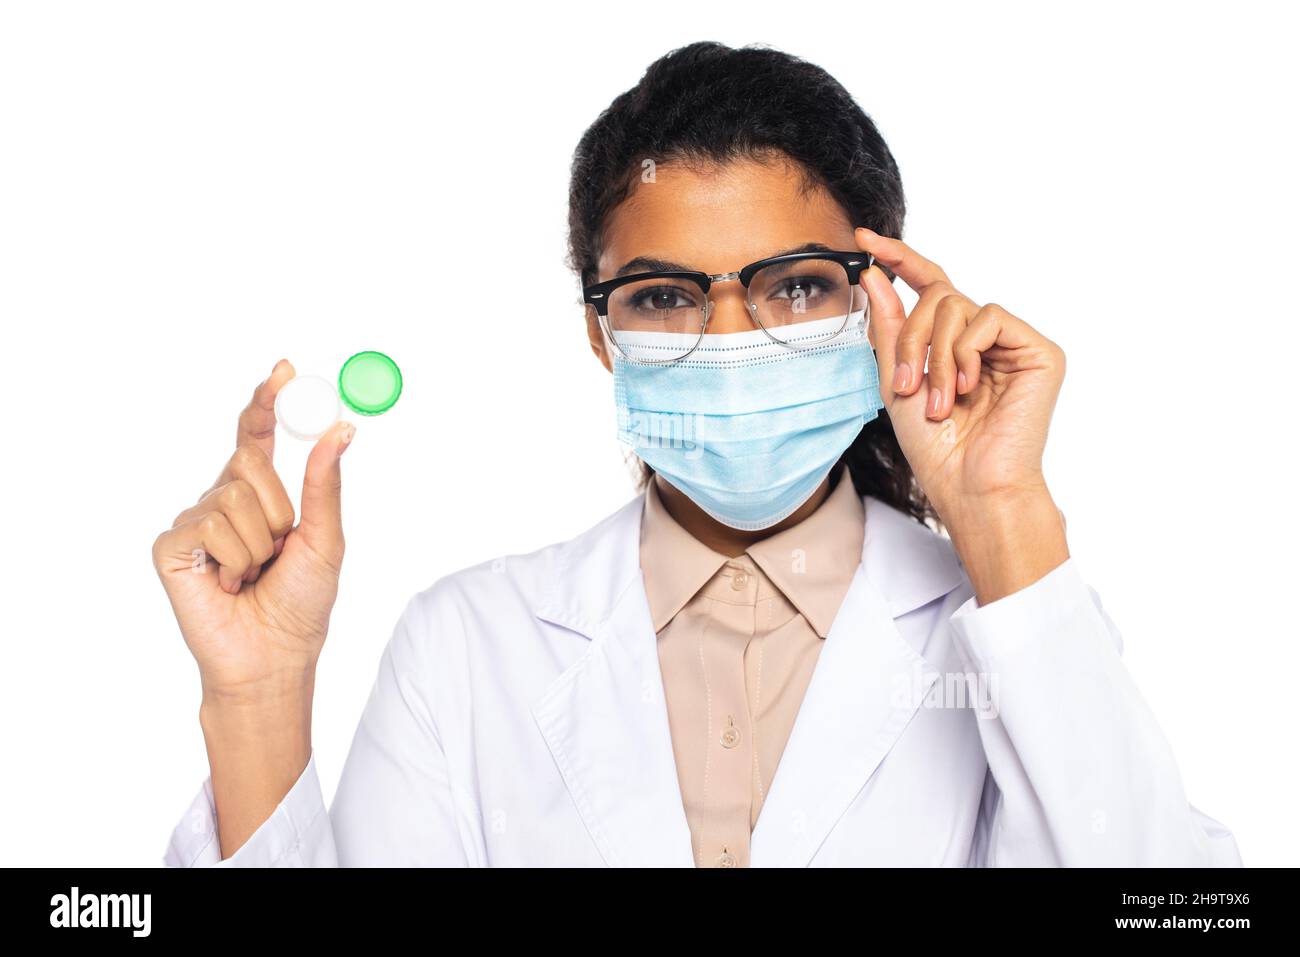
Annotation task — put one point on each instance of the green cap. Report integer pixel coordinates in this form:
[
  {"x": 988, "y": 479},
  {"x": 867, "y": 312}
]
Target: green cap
[{"x": 370, "y": 383}]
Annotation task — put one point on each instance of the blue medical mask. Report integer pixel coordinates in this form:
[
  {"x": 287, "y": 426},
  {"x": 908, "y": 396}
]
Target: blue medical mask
[{"x": 745, "y": 426}]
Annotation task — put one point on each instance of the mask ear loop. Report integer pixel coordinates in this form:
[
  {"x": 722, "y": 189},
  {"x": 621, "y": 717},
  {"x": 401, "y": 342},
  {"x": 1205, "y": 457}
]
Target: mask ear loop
[
  {"x": 866, "y": 321},
  {"x": 610, "y": 344}
]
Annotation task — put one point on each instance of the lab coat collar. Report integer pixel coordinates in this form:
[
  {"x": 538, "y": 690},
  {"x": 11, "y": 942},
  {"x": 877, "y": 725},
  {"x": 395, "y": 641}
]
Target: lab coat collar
[
  {"x": 591, "y": 572},
  {"x": 606, "y": 722},
  {"x": 908, "y": 564}
]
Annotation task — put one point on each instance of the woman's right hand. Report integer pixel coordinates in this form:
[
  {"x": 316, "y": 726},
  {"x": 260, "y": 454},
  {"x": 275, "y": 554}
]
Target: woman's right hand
[{"x": 253, "y": 593}]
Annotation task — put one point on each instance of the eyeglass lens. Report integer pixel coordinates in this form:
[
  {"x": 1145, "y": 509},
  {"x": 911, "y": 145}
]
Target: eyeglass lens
[{"x": 799, "y": 303}]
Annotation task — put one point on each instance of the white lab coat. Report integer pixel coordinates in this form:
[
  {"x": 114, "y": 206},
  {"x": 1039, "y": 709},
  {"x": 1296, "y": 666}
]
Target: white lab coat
[{"x": 518, "y": 719}]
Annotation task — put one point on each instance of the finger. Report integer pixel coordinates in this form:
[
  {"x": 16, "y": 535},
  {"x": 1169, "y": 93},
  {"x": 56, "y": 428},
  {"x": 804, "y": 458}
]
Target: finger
[
  {"x": 913, "y": 343},
  {"x": 254, "y": 466},
  {"x": 208, "y": 536},
  {"x": 254, "y": 573},
  {"x": 968, "y": 347},
  {"x": 991, "y": 326},
  {"x": 322, "y": 484},
  {"x": 885, "y": 321},
  {"x": 917, "y": 271},
  {"x": 238, "y": 502},
  {"x": 950, "y": 317},
  {"x": 257, "y": 421}
]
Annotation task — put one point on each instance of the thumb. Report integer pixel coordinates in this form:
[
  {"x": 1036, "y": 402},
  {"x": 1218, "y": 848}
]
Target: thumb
[
  {"x": 886, "y": 322},
  {"x": 321, "y": 524}
]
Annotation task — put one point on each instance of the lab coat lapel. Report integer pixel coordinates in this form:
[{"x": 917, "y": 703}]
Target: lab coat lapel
[
  {"x": 604, "y": 718},
  {"x": 606, "y": 723},
  {"x": 867, "y": 685}
]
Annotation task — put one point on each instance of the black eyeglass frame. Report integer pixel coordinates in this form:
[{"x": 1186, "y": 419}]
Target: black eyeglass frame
[
  {"x": 854, "y": 263},
  {"x": 597, "y": 295}
]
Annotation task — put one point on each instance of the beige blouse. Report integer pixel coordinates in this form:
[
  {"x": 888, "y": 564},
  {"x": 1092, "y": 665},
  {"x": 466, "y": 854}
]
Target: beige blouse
[{"x": 738, "y": 639}]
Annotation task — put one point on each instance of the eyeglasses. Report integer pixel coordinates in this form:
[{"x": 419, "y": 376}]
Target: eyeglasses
[{"x": 798, "y": 299}]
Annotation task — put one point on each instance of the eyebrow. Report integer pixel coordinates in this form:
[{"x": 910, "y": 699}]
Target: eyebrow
[{"x": 651, "y": 264}]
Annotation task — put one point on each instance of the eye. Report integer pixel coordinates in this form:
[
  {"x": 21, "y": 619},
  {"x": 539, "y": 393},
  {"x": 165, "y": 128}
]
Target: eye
[
  {"x": 661, "y": 299},
  {"x": 801, "y": 287}
]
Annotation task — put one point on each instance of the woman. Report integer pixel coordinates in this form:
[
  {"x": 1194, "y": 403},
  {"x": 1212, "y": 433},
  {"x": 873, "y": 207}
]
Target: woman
[{"x": 770, "y": 625}]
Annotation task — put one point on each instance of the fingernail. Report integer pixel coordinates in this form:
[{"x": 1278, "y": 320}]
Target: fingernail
[
  {"x": 346, "y": 436},
  {"x": 936, "y": 398},
  {"x": 902, "y": 377},
  {"x": 872, "y": 232},
  {"x": 961, "y": 382}
]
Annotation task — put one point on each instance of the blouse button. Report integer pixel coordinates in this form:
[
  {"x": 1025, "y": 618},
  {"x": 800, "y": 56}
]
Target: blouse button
[
  {"x": 730, "y": 737},
  {"x": 739, "y": 581}
]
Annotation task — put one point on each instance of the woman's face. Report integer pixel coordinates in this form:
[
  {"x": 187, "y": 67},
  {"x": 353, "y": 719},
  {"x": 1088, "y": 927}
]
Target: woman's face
[{"x": 717, "y": 219}]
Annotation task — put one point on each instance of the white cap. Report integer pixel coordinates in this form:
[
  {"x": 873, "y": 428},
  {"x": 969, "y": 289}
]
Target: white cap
[{"x": 306, "y": 406}]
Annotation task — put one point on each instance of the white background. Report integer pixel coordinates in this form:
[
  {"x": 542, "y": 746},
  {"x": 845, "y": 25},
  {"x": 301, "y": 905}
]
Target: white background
[{"x": 190, "y": 191}]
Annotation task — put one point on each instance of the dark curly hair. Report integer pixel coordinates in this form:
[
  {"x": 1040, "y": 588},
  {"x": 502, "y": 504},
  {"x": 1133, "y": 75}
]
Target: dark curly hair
[{"x": 710, "y": 103}]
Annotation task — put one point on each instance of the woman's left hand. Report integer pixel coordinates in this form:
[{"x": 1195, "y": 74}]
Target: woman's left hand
[{"x": 974, "y": 423}]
